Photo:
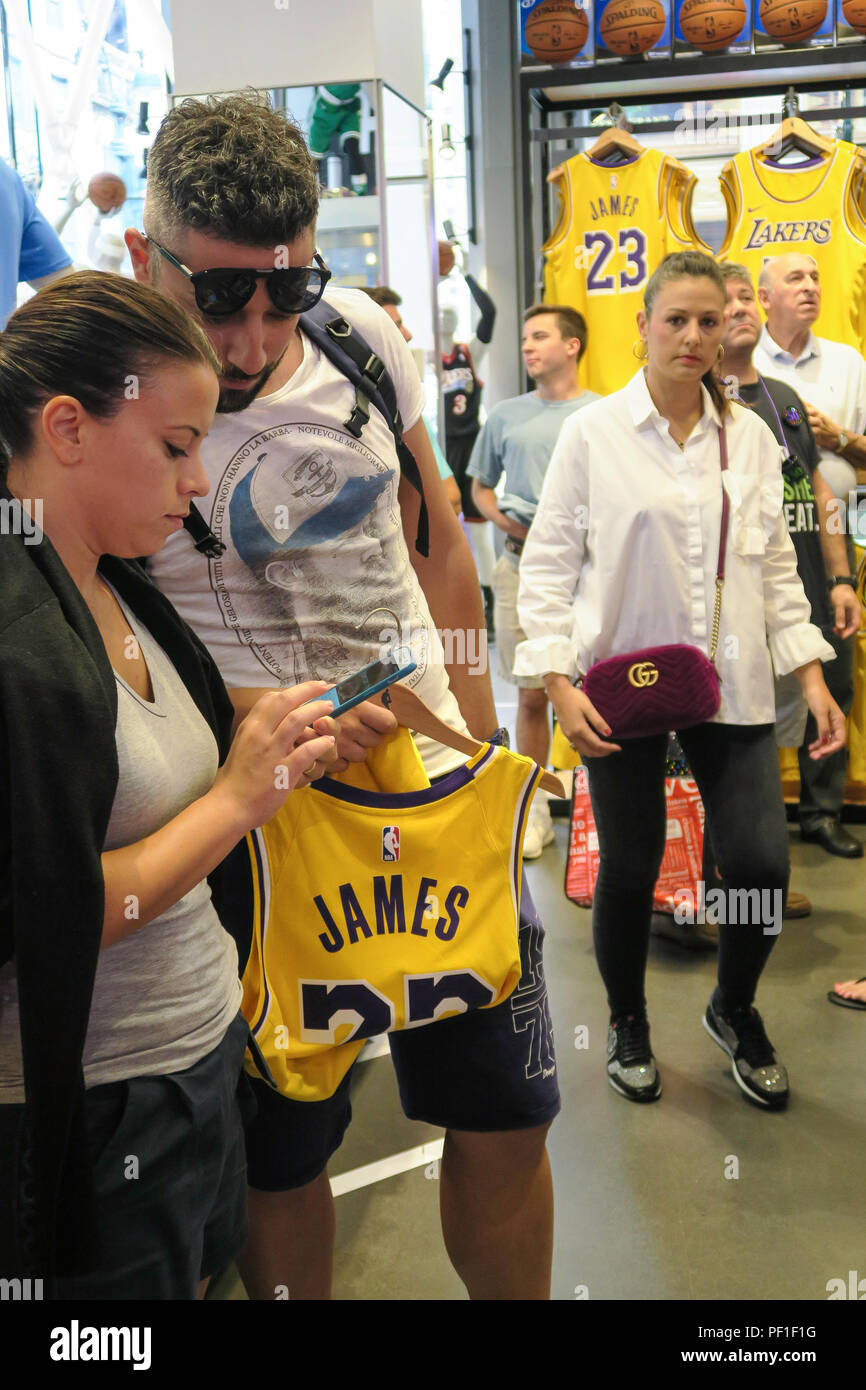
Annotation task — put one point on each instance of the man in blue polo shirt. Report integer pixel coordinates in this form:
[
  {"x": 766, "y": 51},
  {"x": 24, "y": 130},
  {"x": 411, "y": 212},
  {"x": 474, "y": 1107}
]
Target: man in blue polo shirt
[{"x": 30, "y": 249}]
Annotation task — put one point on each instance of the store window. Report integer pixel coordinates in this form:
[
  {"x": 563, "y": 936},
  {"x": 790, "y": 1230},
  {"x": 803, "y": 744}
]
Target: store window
[
  {"x": 445, "y": 76},
  {"x": 58, "y": 151}
]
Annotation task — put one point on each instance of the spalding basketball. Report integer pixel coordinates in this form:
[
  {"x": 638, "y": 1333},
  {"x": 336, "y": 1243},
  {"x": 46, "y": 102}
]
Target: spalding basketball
[
  {"x": 792, "y": 21},
  {"x": 556, "y": 30},
  {"x": 632, "y": 26},
  {"x": 855, "y": 14},
  {"x": 107, "y": 191},
  {"x": 712, "y": 24},
  {"x": 446, "y": 258}
]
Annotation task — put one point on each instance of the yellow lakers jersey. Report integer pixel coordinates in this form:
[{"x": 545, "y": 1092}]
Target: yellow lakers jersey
[
  {"x": 376, "y": 911},
  {"x": 855, "y": 786},
  {"x": 681, "y": 185},
  {"x": 812, "y": 209},
  {"x": 615, "y": 224}
]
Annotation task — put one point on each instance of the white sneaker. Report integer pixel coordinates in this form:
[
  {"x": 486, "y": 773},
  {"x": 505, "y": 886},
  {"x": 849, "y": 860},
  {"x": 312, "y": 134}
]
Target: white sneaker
[{"x": 539, "y": 832}]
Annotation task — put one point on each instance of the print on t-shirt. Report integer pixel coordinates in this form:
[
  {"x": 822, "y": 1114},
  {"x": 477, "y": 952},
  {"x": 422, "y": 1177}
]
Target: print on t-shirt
[
  {"x": 315, "y": 575},
  {"x": 799, "y": 499}
]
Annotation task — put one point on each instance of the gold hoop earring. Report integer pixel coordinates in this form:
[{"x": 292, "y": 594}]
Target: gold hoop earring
[
  {"x": 721, "y": 355},
  {"x": 640, "y": 350}
]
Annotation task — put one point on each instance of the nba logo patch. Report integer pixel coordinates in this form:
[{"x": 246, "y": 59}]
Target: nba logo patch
[{"x": 391, "y": 844}]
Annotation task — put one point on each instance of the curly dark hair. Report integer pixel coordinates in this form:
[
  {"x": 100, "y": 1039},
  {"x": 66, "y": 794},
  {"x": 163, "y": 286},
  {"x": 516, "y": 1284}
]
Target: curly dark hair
[{"x": 232, "y": 167}]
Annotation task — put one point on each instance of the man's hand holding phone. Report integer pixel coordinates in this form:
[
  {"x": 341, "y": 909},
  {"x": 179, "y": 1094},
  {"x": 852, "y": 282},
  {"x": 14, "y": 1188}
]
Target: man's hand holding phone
[{"x": 363, "y": 722}]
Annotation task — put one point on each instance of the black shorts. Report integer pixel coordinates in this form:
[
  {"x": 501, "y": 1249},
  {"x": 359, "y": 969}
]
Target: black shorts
[
  {"x": 458, "y": 452},
  {"x": 169, "y": 1168},
  {"x": 490, "y": 1069}
]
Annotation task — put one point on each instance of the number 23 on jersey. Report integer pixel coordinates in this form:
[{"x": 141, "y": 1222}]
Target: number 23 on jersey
[{"x": 602, "y": 255}]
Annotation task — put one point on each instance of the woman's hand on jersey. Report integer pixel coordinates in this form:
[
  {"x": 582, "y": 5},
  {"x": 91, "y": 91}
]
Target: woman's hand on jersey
[
  {"x": 827, "y": 714},
  {"x": 359, "y": 730},
  {"x": 579, "y": 720},
  {"x": 277, "y": 745}
]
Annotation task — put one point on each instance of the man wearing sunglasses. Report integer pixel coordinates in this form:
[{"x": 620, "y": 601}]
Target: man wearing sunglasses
[{"x": 320, "y": 560}]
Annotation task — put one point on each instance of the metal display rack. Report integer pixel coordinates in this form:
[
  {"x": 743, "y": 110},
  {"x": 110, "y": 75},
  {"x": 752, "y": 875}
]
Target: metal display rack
[{"x": 548, "y": 93}]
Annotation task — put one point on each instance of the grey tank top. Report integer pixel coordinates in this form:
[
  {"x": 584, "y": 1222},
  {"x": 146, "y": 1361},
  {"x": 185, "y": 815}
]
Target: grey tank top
[{"x": 164, "y": 996}]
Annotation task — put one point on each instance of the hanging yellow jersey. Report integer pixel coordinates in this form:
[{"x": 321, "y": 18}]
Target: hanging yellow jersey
[
  {"x": 678, "y": 207},
  {"x": 616, "y": 222},
  {"x": 855, "y": 785},
  {"x": 376, "y": 911},
  {"x": 812, "y": 209}
]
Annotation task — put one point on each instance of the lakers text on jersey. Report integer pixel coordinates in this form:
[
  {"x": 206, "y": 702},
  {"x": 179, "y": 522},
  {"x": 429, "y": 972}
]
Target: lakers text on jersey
[
  {"x": 377, "y": 911},
  {"x": 774, "y": 209}
]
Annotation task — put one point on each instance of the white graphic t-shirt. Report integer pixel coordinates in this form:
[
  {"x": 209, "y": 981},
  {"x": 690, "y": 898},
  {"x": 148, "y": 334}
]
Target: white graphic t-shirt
[{"x": 316, "y": 579}]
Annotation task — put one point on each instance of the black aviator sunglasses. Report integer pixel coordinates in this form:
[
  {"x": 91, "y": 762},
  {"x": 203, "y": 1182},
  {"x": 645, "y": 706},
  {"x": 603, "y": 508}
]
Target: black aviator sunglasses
[{"x": 221, "y": 292}]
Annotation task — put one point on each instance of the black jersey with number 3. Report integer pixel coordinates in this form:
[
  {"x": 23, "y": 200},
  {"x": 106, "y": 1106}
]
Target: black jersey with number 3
[{"x": 461, "y": 391}]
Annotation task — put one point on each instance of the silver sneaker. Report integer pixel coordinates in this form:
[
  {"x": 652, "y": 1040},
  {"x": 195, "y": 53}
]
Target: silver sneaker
[
  {"x": 753, "y": 1062},
  {"x": 631, "y": 1067}
]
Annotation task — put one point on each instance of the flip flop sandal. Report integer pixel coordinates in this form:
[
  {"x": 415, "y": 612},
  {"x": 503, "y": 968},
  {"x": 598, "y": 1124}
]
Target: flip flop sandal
[{"x": 847, "y": 1003}]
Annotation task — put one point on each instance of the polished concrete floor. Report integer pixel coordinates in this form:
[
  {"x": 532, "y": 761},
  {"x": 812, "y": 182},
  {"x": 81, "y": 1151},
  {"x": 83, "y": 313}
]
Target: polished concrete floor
[{"x": 700, "y": 1196}]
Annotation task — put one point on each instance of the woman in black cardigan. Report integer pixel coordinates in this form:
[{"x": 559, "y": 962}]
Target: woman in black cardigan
[{"x": 106, "y": 389}]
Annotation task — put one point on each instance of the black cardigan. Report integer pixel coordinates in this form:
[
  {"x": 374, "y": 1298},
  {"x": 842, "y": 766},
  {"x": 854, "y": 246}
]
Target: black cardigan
[{"x": 58, "y": 776}]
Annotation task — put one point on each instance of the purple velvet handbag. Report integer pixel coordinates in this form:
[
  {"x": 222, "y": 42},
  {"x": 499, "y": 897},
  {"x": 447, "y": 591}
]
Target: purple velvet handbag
[{"x": 661, "y": 689}]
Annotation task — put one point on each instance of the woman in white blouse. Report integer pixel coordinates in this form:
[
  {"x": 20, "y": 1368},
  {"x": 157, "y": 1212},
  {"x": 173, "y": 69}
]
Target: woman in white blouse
[{"x": 621, "y": 556}]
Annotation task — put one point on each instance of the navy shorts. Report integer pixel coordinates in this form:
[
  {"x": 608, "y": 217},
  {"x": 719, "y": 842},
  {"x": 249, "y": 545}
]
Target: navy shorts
[
  {"x": 490, "y": 1069},
  {"x": 169, "y": 1168}
]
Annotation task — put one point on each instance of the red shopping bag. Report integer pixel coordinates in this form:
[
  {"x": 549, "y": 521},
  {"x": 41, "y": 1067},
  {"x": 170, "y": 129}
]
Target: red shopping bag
[{"x": 681, "y": 865}]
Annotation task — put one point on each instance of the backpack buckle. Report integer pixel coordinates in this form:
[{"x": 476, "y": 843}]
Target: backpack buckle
[
  {"x": 210, "y": 547},
  {"x": 360, "y": 415},
  {"x": 374, "y": 370}
]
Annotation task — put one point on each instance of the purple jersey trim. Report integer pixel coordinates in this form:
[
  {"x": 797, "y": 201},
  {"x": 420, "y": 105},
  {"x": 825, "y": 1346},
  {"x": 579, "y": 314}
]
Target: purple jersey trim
[{"x": 384, "y": 801}]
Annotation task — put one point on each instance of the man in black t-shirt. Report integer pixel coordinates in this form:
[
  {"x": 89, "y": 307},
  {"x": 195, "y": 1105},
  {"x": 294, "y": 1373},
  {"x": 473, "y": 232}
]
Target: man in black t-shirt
[{"x": 822, "y": 558}]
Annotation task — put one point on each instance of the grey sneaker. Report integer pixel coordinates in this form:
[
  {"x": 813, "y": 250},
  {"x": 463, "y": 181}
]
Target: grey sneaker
[
  {"x": 753, "y": 1062},
  {"x": 631, "y": 1067}
]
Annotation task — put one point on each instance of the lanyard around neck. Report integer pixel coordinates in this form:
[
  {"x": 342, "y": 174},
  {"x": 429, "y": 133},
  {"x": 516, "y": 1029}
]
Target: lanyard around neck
[{"x": 761, "y": 382}]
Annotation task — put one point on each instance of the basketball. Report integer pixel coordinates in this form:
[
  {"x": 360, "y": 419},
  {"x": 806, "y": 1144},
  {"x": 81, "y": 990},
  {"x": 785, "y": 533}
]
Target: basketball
[
  {"x": 556, "y": 30},
  {"x": 712, "y": 24},
  {"x": 632, "y": 26},
  {"x": 107, "y": 191},
  {"x": 855, "y": 14},
  {"x": 446, "y": 258},
  {"x": 792, "y": 21}
]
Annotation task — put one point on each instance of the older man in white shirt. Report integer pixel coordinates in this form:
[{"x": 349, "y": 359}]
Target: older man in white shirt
[{"x": 830, "y": 378}]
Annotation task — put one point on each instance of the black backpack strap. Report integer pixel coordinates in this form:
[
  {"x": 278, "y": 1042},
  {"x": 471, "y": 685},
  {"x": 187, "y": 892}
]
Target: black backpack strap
[
  {"x": 203, "y": 537},
  {"x": 351, "y": 354}
]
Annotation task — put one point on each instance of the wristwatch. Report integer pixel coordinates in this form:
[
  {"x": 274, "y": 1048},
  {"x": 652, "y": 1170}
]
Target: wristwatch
[
  {"x": 843, "y": 442},
  {"x": 841, "y": 579}
]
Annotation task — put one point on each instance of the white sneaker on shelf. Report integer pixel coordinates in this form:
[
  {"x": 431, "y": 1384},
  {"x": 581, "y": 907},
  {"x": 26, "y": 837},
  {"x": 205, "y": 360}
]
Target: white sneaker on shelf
[{"x": 539, "y": 831}]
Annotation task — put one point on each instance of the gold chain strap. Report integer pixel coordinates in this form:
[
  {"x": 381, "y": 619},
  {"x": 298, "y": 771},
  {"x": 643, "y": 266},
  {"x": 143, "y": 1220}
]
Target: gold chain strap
[{"x": 717, "y": 614}]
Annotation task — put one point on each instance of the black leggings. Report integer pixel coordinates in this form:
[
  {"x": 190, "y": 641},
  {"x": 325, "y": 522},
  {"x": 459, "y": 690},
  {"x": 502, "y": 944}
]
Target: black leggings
[{"x": 737, "y": 771}]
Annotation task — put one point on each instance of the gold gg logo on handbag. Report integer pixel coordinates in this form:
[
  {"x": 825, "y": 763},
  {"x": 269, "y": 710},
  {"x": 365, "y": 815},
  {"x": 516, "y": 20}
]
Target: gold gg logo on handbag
[{"x": 642, "y": 674}]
